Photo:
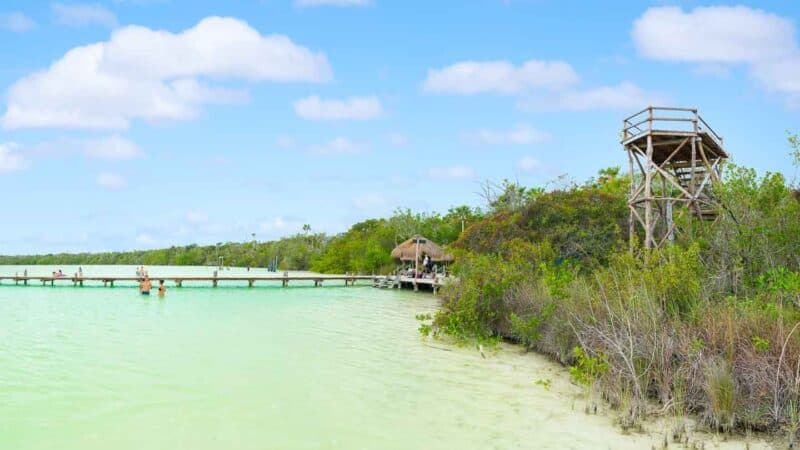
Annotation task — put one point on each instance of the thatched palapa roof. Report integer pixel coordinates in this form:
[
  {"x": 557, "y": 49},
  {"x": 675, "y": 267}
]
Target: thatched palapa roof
[{"x": 407, "y": 251}]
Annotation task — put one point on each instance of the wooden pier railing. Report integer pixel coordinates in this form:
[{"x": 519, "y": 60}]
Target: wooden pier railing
[{"x": 349, "y": 280}]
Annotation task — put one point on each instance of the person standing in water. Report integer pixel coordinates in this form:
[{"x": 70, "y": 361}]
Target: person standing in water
[
  {"x": 161, "y": 288},
  {"x": 145, "y": 286}
]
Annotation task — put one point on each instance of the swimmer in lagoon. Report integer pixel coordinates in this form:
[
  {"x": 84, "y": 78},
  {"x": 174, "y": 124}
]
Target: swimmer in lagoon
[
  {"x": 145, "y": 286},
  {"x": 161, "y": 288}
]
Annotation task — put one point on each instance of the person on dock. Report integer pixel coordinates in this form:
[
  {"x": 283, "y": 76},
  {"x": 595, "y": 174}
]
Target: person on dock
[
  {"x": 161, "y": 288},
  {"x": 145, "y": 286},
  {"x": 80, "y": 272}
]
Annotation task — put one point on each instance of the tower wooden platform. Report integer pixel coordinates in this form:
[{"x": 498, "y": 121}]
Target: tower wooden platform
[{"x": 674, "y": 157}]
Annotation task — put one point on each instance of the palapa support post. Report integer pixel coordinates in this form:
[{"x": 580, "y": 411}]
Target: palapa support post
[
  {"x": 678, "y": 148},
  {"x": 179, "y": 283},
  {"x": 250, "y": 283}
]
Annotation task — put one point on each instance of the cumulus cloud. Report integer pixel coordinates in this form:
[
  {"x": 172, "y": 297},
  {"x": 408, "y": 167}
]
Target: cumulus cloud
[
  {"x": 16, "y": 22},
  {"x": 548, "y": 85},
  {"x": 338, "y": 146},
  {"x": 332, "y": 2},
  {"x": 82, "y": 14},
  {"x": 112, "y": 148},
  {"x": 503, "y": 77},
  {"x": 155, "y": 75},
  {"x": 111, "y": 181},
  {"x": 780, "y": 76},
  {"x": 451, "y": 173},
  {"x": 731, "y": 35},
  {"x": 625, "y": 95},
  {"x": 727, "y": 34},
  {"x": 353, "y": 108},
  {"x": 10, "y": 158},
  {"x": 522, "y": 134}
]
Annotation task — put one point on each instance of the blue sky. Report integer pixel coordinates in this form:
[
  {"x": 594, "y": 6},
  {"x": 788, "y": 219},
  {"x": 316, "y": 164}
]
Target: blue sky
[{"x": 147, "y": 123}]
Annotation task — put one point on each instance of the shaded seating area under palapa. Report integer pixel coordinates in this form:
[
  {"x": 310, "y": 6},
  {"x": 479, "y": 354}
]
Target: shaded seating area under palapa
[{"x": 414, "y": 251}]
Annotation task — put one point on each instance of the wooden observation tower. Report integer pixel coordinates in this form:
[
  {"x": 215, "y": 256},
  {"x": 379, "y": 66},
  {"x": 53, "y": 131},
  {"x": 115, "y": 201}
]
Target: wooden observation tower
[{"x": 675, "y": 157}]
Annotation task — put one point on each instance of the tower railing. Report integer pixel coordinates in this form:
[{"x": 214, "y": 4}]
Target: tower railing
[{"x": 665, "y": 118}]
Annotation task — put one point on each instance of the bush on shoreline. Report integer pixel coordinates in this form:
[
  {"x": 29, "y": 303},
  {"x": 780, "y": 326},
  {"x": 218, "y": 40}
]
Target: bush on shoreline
[{"x": 706, "y": 326}]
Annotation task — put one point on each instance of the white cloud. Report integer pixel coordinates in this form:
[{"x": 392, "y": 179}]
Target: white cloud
[
  {"x": 153, "y": 75},
  {"x": 113, "y": 148},
  {"x": 473, "y": 77},
  {"x": 332, "y": 2},
  {"x": 451, "y": 173},
  {"x": 16, "y": 22},
  {"x": 111, "y": 181},
  {"x": 398, "y": 139},
  {"x": 82, "y": 14},
  {"x": 764, "y": 42},
  {"x": 726, "y": 34},
  {"x": 521, "y": 135},
  {"x": 544, "y": 85},
  {"x": 625, "y": 95},
  {"x": 338, "y": 146},
  {"x": 530, "y": 164},
  {"x": 10, "y": 158},
  {"x": 780, "y": 76},
  {"x": 353, "y": 108}
]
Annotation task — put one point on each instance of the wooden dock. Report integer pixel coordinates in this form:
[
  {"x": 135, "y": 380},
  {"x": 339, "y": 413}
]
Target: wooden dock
[
  {"x": 400, "y": 281},
  {"x": 108, "y": 281}
]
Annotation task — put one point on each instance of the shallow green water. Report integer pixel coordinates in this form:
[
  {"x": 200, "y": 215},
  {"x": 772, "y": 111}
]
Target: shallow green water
[{"x": 294, "y": 368}]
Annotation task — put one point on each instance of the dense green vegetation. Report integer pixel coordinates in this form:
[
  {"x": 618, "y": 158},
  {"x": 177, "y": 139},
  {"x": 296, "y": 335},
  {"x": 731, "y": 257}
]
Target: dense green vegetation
[
  {"x": 709, "y": 325},
  {"x": 364, "y": 248},
  {"x": 293, "y": 252}
]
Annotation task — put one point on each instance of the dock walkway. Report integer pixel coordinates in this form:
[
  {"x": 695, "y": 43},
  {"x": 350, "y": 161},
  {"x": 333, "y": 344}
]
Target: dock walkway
[
  {"x": 108, "y": 281},
  {"x": 401, "y": 281}
]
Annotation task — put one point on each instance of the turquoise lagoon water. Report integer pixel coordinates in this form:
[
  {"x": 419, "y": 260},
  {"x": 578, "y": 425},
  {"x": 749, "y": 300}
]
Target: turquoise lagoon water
[{"x": 263, "y": 368}]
